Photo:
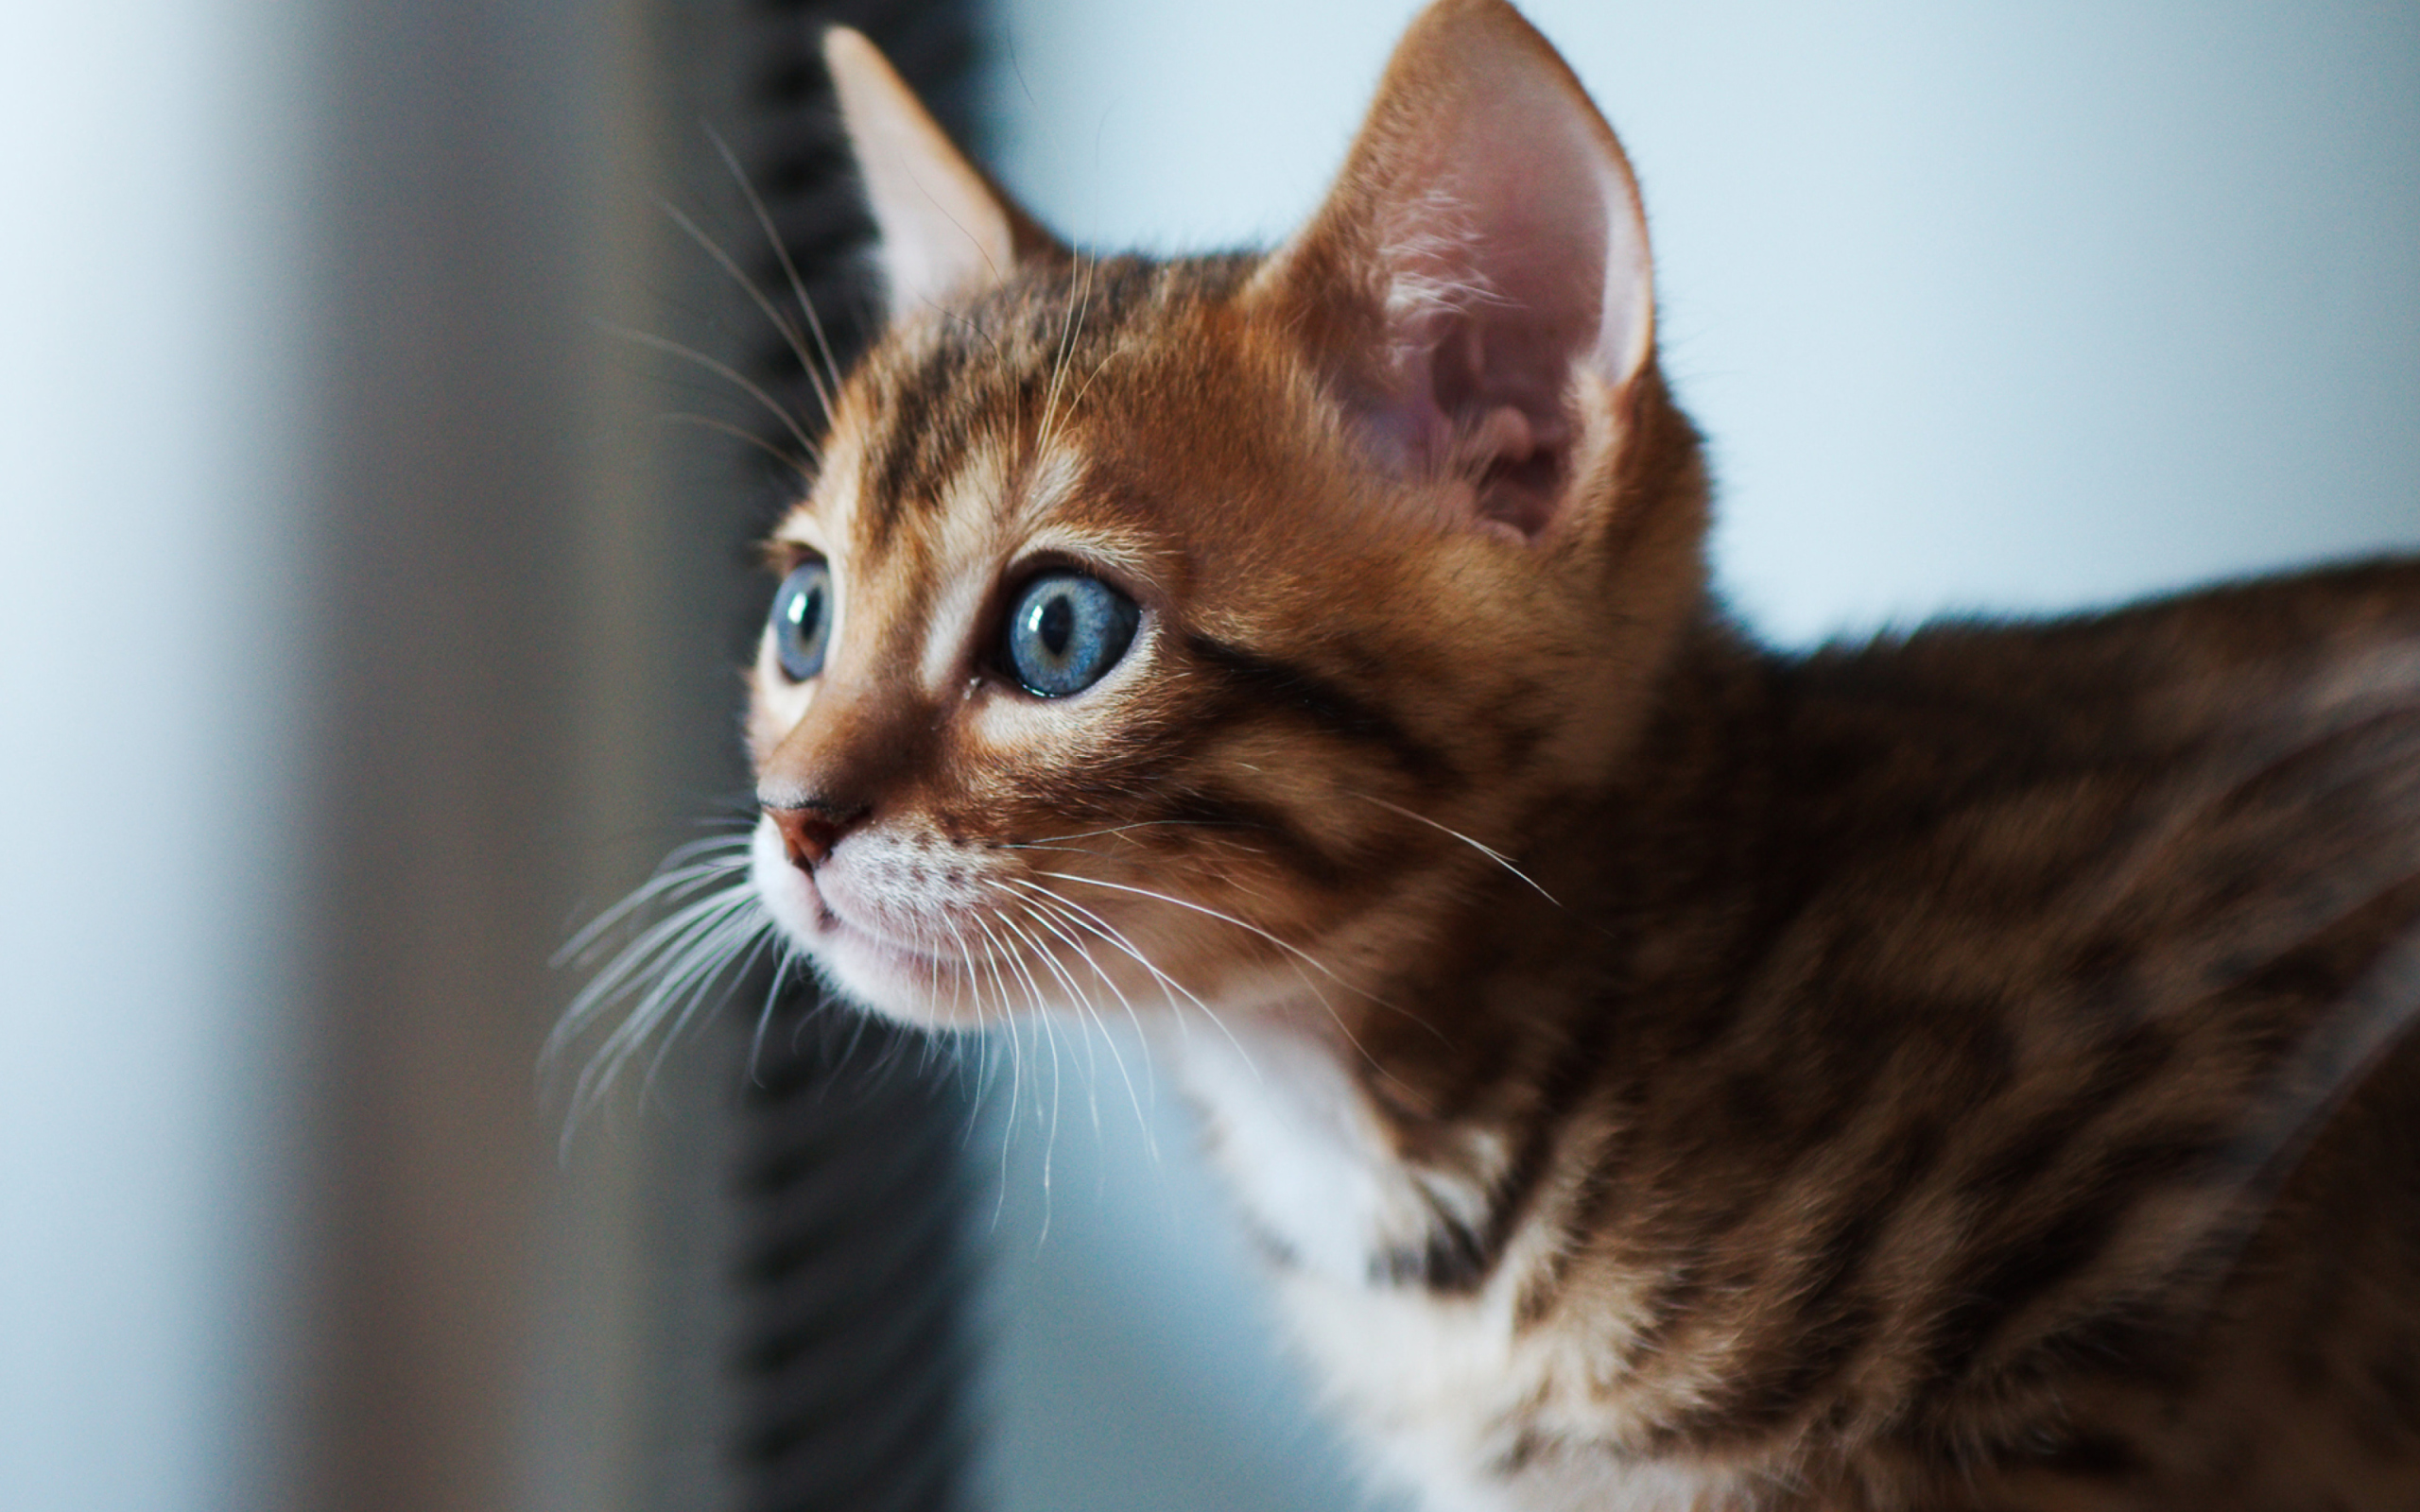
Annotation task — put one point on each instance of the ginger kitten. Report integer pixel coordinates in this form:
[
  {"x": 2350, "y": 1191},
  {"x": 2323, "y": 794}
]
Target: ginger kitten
[{"x": 1963, "y": 1072}]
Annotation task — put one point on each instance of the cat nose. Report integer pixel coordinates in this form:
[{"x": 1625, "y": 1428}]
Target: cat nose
[{"x": 811, "y": 829}]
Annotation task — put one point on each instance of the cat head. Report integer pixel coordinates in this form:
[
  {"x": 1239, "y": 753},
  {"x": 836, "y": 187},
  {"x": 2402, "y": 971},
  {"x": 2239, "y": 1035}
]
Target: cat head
[{"x": 1193, "y": 633}]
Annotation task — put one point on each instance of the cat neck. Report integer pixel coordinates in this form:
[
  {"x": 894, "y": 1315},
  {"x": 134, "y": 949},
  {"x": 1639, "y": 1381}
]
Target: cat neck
[
  {"x": 1372, "y": 1131},
  {"x": 1322, "y": 1184}
]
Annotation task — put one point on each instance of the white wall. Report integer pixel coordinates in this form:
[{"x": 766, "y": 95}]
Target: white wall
[
  {"x": 150, "y": 490},
  {"x": 2006, "y": 307},
  {"x": 313, "y": 469}
]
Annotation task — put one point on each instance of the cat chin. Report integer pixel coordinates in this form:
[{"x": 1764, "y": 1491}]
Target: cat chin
[
  {"x": 873, "y": 973},
  {"x": 919, "y": 990}
]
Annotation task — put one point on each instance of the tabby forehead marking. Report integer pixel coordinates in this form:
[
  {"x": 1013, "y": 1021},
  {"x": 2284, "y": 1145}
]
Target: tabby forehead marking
[
  {"x": 1052, "y": 482},
  {"x": 824, "y": 518},
  {"x": 960, "y": 552}
]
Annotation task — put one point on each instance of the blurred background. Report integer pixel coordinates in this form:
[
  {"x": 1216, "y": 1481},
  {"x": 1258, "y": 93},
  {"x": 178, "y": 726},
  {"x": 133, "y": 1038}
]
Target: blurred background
[{"x": 367, "y": 614}]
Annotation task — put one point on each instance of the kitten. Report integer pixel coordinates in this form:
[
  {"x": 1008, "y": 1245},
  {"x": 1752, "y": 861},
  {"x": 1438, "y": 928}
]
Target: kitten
[{"x": 1961, "y": 1072}]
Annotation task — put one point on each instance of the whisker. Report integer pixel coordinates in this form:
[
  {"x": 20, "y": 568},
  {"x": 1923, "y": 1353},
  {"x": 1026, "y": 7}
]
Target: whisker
[
  {"x": 756, "y": 941},
  {"x": 1016, "y": 1077},
  {"x": 1077, "y": 913},
  {"x": 620, "y": 976},
  {"x": 1149, "y": 1140},
  {"x": 708, "y": 932},
  {"x": 707, "y": 954},
  {"x": 790, "y": 269},
  {"x": 721, "y": 369},
  {"x": 1042, "y": 1030},
  {"x": 1049, "y": 842},
  {"x": 780, "y": 322},
  {"x": 1016, "y": 964},
  {"x": 1489, "y": 851},
  {"x": 974, "y": 328},
  {"x": 711, "y": 949},
  {"x": 1075, "y": 996},
  {"x": 677, "y": 872},
  {"x": 963, "y": 995},
  {"x": 785, "y": 955},
  {"x": 739, "y": 433},
  {"x": 1107, "y": 932},
  {"x": 1081, "y": 275},
  {"x": 1114, "y": 352},
  {"x": 1291, "y": 949},
  {"x": 983, "y": 1038},
  {"x": 1350, "y": 1037}
]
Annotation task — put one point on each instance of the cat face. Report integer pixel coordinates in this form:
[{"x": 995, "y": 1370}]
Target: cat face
[{"x": 1175, "y": 634}]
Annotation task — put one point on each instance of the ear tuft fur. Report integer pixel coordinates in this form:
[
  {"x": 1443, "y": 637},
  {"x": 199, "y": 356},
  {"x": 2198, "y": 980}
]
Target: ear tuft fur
[
  {"x": 945, "y": 232},
  {"x": 1481, "y": 263}
]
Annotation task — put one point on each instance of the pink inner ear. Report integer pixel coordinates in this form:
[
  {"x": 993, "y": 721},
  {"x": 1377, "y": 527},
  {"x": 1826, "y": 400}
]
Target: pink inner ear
[{"x": 1511, "y": 257}]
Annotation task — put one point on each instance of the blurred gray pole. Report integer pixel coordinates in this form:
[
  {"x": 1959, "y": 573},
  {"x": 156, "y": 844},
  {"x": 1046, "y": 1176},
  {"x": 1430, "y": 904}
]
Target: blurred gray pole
[
  {"x": 528, "y": 600},
  {"x": 488, "y": 718}
]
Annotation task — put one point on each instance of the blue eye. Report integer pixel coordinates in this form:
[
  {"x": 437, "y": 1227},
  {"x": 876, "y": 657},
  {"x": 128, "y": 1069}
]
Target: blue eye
[
  {"x": 1066, "y": 632},
  {"x": 802, "y": 620}
]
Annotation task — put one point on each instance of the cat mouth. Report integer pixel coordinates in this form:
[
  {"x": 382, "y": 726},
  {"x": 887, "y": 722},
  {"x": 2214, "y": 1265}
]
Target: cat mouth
[{"x": 865, "y": 956}]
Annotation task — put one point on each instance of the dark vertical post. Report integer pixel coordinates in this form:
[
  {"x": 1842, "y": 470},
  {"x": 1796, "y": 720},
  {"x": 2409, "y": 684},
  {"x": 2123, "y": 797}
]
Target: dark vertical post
[{"x": 857, "y": 1280}]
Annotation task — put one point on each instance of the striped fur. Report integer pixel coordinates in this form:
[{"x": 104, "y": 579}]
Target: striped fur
[{"x": 1961, "y": 1072}]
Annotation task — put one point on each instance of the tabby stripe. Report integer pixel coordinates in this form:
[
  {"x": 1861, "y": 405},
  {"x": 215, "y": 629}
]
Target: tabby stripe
[
  {"x": 2127, "y": 1064},
  {"x": 1593, "y": 1201},
  {"x": 927, "y": 432},
  {"x": 1830, "y": 1326},
  {"x": 2085, "y": 1456},
  {"x": 1456, "y": 1257},
  {"x": 1528, "y": 1446},
  {"x": 1332, "y": 708},
  {"x": 2321, "y": 768},
  {"x": 2002, "y": 1286},
  {"x": 1684, "y": 1281},
  {"x": 1461, "y": 1259},
  {"x": 2028, "y": 1267},
  {"x": 2151, "y": 1348},
  {"x": 2013, "y": 1275},
  {"x": 1210, "y": 808},
  {"x": 1578, "y": 1069},
  {"x": 1585, "y": 1218},
  {"x": 1483, "y": 1051},
  {"x": 1769, "y": 1398}
]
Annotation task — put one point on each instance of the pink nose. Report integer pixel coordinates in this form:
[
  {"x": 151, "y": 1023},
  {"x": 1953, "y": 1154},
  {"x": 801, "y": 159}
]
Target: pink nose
[{"x": 809, "y": 830}]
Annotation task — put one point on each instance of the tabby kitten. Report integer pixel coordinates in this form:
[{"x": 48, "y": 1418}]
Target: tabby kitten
[{"x": 1961, "y": 1072}]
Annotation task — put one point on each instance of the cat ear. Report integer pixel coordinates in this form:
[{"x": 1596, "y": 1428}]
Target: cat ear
[
  {"x": 945, "y": 232},
  {"x": 1477, "y": 283}
]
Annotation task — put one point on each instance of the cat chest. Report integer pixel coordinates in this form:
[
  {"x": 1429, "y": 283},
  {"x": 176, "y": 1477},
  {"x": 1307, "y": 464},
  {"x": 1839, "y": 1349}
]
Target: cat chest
[
  {"x": 1451, "y": 1394},
  {"x": 1456, "y": 1404}
]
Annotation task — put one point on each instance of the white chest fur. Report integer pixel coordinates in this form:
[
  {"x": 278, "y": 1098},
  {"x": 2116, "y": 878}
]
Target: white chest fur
[{"x": 1440, "y": 1388}]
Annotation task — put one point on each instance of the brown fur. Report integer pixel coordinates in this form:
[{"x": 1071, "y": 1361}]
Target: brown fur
[{"x": 1961, "y": 1072}]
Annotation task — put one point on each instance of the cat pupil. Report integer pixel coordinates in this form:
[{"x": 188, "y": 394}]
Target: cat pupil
[{"x": 1056, "y": 622}]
